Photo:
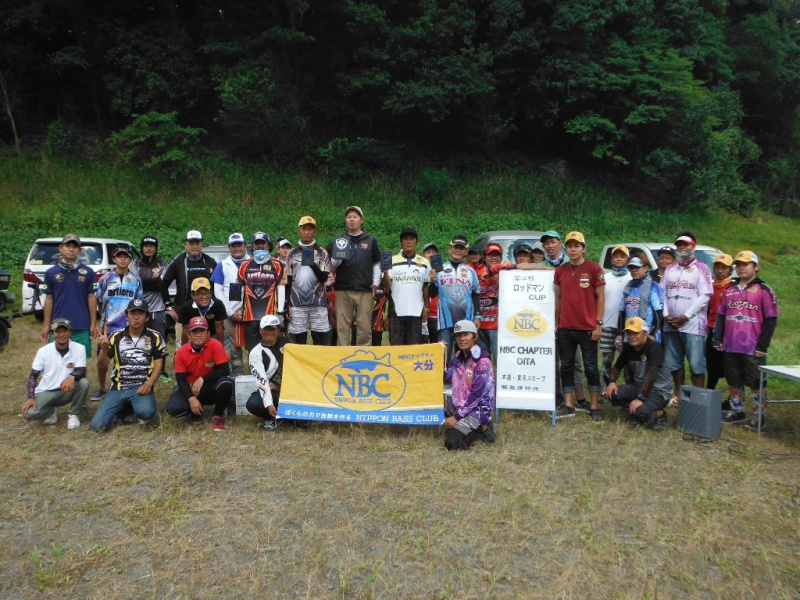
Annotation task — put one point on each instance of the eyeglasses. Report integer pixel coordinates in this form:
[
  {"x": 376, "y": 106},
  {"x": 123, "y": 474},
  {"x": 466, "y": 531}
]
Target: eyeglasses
[{"x": 202, "y": 294}]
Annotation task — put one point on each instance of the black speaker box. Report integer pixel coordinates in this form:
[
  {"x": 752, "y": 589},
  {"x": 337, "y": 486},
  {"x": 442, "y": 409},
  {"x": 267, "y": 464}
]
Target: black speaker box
[{"x": 700, "y": 411}]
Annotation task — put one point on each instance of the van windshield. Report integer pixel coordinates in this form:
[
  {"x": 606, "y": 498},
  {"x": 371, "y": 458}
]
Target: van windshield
[{"x": 46, "y": 253}]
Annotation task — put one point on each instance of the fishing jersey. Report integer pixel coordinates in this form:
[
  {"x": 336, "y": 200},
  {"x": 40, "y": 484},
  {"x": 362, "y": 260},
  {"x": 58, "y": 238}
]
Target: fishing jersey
[
  {"x": 409, "y": 277},
  {"x": 307, "y": 289},
  {"x": 489, "y": 291},
  {"x": 631, "y": 303},
  {"x": 70, "y": 286},
  {"x": 473, "y": 385},
  {"x": 114, "y": 292},
  {"x": 150, "y": 273},
  {"x": 744, "y": 309},
  {"x": 132, "y": 360},
  {"x": 260, "y": 294},
  {"x": 682, "y": 286},
  {"x": 456, "y": 285}
]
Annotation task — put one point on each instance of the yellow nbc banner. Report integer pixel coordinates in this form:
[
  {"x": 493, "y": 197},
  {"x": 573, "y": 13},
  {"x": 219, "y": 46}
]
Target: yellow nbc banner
[
  {"x": 526, "y": 357},
  {"x": 395, "y": 385}
]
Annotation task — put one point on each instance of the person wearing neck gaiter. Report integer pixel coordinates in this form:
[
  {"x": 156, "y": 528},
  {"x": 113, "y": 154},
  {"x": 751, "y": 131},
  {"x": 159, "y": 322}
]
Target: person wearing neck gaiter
[
  {"x": 459, "y": 293},
  {"x": 687, "y": 285},
  {"x": 615, "y": 284},
  {"x": 69, "y": 289},
  {"x": 723, "y": 269}
]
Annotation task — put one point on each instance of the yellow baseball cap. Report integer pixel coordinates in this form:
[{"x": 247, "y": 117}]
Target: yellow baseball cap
[
  {"x": 307, "y": 220},
  {"x": 746, "y": 256},
  {"x": 621, "y": 248},
  {"x": 574, "y": 236},
  {"x": 634, "y": 325},
  {"x": 724, "y": 259},
  {"x": 201, "y": 283}
]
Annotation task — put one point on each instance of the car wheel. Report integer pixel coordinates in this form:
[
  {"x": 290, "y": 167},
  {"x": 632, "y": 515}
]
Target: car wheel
[
  {"x": 39, "y": 315},
  {"x": 2, "y": 302}
]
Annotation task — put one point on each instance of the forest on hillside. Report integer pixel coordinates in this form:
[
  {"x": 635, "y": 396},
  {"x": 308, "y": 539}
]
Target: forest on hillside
[{"x": 682, "y": 102}]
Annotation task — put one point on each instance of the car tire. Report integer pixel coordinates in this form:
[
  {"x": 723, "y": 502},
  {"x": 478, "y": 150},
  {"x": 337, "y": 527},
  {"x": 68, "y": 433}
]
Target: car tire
[
  {"x": 3, "y": 334},
  {"x": 39, "y": 315},
  {"x": 2, "y": 301}
]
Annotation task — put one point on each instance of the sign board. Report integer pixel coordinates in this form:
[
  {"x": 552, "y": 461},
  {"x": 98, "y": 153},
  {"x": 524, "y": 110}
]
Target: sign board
[
  {"x": 393, "y": 385},
  {"x": 526, "y": 355}
]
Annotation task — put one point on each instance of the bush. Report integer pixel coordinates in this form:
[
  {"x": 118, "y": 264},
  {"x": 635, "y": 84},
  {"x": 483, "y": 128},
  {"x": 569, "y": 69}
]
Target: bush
[
  {"x": 63, "y": 140},
  {"x": 157, "y": 143},
  {"x": 433, "y": 185}
]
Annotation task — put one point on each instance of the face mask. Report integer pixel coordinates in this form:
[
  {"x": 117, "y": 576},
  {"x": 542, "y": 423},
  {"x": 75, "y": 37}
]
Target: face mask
[
  {"x": 260, "y": 256},
  {"x": 684, "y": 256}
]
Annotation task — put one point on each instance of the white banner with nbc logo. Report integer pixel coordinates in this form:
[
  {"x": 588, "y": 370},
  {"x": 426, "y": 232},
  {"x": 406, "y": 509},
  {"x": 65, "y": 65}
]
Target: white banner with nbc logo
[{"x": 526, "y": 341}]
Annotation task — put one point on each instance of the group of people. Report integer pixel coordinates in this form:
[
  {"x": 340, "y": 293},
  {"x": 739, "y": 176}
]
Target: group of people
[{"x": 254, "y": 301}]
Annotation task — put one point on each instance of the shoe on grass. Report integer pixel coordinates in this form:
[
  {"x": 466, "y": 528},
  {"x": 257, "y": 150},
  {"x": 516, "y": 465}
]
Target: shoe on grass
[
  {"x": 565, "y": 411},
  {"x": 752, "y": 424},
  {"x": 583, "y": 405},
  {"x": 270, "y": 424},
  {"x": 52, "y": 419},
  {"x": 217, "y": 423},
  {"x": 660, "y": 424},
  {"x": 733, "y": 416},
  {"x": 673, "y": 401},
  {"x": 596, "y": 415},
  {"x": 726, "y": 406},
  {"x": 98, "y": 395},
  {"x": 73, "y": 422},
  {"x": 488, "y": 435}
]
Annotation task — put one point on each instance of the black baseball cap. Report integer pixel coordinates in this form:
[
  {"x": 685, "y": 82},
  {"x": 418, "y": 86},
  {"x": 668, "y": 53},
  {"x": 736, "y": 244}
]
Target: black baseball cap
[
  {"x": 138, "y": 304},
  {"x": 459, "y": 240},
  {"x": 409, "y": 232}
]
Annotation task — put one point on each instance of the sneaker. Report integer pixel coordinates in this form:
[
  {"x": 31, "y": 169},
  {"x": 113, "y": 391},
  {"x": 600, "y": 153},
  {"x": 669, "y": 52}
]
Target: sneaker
[
  {"x": 52, "y": 419},
  {"x": 752, "y": 424},
  {"x": 596, "y": 415},
  {"x": 726, "y": 406},
  {"x": 660, "y": 424},
  {"x": 673, "y": 402},
  {"x": 565, "y": 411},
  {"x": 733, "y": 416},
  {"x": 129, "y": 419},
  {"x": 487, "y": 435},
  {"x": 270, "y": 424},
  {"x": 98, "y": 395},
  {"x": 217, "y": 423},
  {"x": 583, "y": 405},
  {"x": 73, "y": 422},
  {"x": 142, "y": 422}
]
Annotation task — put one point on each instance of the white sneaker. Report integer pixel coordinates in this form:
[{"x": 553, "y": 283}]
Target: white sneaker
[
  {"x": 73, "y": 422},
  {"x": 52, "y": 419}
]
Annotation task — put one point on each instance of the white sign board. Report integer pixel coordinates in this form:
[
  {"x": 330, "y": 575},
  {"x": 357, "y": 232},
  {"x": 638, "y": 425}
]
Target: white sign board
[{"x": 526, "y": 341}]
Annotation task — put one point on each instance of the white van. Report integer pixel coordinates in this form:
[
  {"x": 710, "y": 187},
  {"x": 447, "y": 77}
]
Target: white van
[{"x": 95, "y": 252}]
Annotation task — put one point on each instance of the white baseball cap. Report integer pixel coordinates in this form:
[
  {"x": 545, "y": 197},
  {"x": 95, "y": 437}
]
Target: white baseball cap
[{"x": 465, "y": 326}]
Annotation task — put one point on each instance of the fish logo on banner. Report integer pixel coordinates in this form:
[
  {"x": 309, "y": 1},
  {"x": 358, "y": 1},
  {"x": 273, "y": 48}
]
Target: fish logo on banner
[
  {"x": 363, "y": 381},
  {"x": 527, "y": 323}
]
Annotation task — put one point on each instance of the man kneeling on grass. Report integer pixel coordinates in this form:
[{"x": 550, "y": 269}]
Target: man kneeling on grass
[
  {"x": 201, "y": 370},
  {"x": 137, "y": 356},
  {"x": 469, "y": 409},
  {"x": 62, "y": 365},
  {"x": 648, "y": 394},
  {"x": 266, "y": 365}
]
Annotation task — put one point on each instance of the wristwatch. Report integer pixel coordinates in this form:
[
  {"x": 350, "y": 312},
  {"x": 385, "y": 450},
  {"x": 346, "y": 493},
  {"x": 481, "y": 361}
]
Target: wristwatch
[{"x": 600, "y": 322}]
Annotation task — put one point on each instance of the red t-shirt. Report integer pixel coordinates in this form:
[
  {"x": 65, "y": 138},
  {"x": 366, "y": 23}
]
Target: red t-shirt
[
  {"x": 199, "y": 364},
  {"x": 578, "y": 294}
]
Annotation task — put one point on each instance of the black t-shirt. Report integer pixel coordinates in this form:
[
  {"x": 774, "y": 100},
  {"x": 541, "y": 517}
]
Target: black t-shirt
[{"x": 216, "y": 313}]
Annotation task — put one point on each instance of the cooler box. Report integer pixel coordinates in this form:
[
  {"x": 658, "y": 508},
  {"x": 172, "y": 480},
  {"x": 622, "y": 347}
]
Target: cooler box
[
  {"x": 244, "y": 385},
  {"x": 700, "y": 411}
]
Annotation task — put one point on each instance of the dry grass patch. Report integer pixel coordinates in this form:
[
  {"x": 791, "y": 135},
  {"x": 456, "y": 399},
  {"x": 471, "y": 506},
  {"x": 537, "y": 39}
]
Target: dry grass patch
[{"x": 354, "y": 511}]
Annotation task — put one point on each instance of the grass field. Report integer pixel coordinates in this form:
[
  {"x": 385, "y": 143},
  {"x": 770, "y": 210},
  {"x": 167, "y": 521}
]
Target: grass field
[{"x": 573, "y": 511}]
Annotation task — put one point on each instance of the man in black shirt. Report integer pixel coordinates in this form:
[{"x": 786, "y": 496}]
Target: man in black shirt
[
  {"x": 648, "y": 393},
  {"x": 358, "y": 274}
]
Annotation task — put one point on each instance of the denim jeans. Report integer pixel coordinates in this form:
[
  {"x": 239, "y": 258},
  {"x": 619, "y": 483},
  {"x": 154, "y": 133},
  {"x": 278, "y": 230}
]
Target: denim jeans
[
  {"x": 569, "y": 340},
  {"x": 144, "y": 407}
]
